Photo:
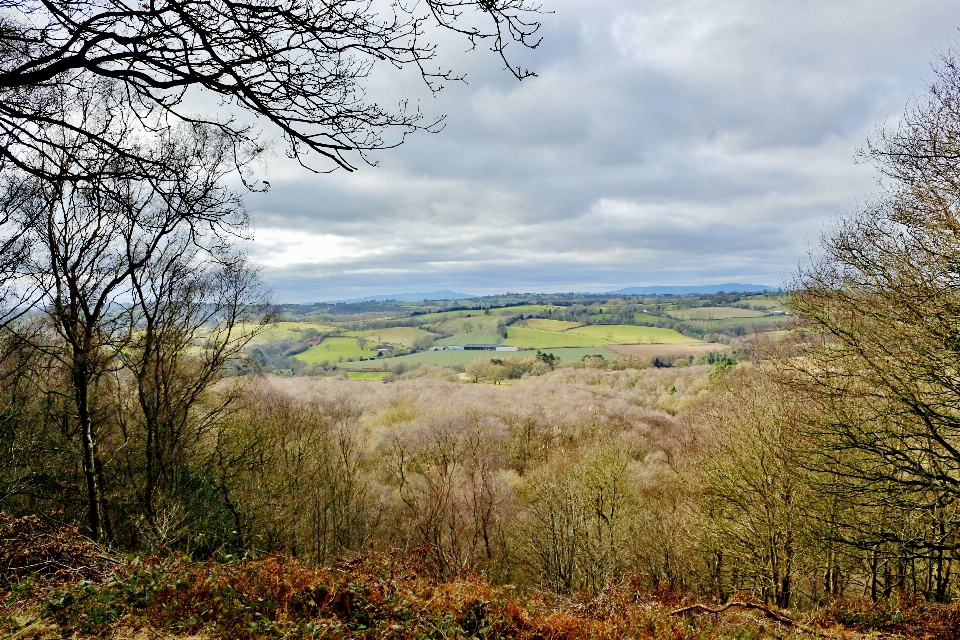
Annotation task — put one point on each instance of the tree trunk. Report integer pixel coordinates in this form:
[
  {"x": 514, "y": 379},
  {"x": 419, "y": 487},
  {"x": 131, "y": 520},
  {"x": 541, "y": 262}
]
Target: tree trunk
[{"x": 91, "y": 466}]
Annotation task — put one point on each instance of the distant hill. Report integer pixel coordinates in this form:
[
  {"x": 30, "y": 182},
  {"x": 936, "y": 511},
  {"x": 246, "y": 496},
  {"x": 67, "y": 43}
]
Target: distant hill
[
  {"x": 412, "y": 297},
  {"x": 728, "y": 287}
]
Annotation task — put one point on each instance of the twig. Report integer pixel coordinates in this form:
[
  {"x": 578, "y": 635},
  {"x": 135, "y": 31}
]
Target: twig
[
  {"x": 737, "y": 603},
  {"x": 770, "y": 613}
]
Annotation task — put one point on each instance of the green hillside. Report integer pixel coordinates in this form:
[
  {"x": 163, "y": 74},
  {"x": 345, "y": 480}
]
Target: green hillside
[
  {"x": 527, "y": 338},
  {"x": 631, "y": 334}
]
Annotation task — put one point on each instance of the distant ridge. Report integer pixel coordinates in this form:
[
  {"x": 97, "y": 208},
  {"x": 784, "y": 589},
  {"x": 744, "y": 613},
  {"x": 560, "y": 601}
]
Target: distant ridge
[
  {"x": 729, "y": 287},
  {"x": 411, "y": 297}
]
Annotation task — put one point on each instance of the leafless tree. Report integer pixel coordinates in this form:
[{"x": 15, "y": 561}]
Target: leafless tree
[
  {"x": 878, "y": 351},
  {"x": 91, "y": 241},
  {"x": 193, "y": 311},
  {"x": 297, "y": 64}
]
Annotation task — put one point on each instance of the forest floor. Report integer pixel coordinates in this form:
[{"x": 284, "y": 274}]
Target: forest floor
[{"x": 56, "y": 584}]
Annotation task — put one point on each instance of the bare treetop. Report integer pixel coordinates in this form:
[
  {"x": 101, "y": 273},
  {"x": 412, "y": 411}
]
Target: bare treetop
[{"x": 297, "y": 63}]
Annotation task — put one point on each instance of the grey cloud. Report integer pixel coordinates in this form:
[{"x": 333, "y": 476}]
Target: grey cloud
[{"x": 724, "y": 131}]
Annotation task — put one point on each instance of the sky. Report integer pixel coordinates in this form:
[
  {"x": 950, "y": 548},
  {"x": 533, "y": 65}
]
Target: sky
[{"x": 671, "y": 142}]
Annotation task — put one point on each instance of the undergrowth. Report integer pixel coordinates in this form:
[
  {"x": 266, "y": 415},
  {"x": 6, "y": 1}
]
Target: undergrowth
[{"x": 55, "y": 584}]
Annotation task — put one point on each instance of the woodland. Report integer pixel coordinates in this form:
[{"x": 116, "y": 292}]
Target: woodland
[{"x": 158, "y": 478}]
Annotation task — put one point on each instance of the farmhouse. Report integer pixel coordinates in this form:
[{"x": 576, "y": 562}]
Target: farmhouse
[{"x": 476, "y": 347}]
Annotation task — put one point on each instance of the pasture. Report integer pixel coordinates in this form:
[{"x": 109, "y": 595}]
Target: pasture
[
  {"x": 366, "y": 376},
  {"x": 469, "y": 324},
  {"x": 336, "y": 350},
  {"x": 474, "y": 337},
  {"x": 646, "y": 317},
  {"x": 287, "y": 331},
  {"x": 715, "y": 313},
  {"x": 527, "y": 338},
  {"x": 548, "y": 325},
  {"x": 495, "y": 314},
  {"x": 631, "y": 334},
  {"x": 405, "y": 336}
]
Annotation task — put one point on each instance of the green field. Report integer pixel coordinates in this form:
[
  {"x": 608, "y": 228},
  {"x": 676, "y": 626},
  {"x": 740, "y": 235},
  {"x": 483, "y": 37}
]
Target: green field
[
  {"x": 715, "y": 313},
  {"x": 548, "y": 325},
  {"x": 631, "y": 334},
  {"x": 646, "y": 317},
  {"x": 771, "y": 302},
  {"x": 451, "y": 358},
  {"x": 523, "y": 308},
  {"x": 336, "y": 350},
  {"x": 405, "y": 336},
  {"x": 758, "y": 323},
  {"x": 527, "y": 338},
  {"x": 477, "y": 324},
  {"x": 287, "y": 331},
  {"x": 474, "y": 337},
  {"x": 366, "y": 376},
  {"x": 441, "y": 316}
]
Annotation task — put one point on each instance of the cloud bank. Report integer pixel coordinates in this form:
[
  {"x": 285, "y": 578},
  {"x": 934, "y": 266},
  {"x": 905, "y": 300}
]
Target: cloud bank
[{"x": 664, "y": 142}]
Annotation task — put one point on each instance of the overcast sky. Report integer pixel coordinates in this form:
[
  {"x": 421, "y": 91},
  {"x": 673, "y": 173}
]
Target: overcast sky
[{"x": 664, "y": 142}]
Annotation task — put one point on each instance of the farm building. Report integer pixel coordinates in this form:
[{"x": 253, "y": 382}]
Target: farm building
[{"x": 476, "y": 347}]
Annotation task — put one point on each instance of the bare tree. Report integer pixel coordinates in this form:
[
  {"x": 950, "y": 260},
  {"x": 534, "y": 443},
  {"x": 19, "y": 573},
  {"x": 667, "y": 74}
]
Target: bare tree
[
  {"x": 193, "y": 312},
  {"x": 757, "y": 504},
  {"x": 89, "y": 239},
  {"x": 298, "y": 64},
  {"x": 877, "y": 357}
]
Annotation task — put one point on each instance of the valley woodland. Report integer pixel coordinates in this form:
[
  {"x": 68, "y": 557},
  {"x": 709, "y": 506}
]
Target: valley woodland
[{"x": 824, "y": 465}]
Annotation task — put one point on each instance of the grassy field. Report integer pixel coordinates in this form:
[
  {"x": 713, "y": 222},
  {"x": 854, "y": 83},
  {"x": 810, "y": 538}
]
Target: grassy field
[
  {"x": 646, "y": 317},
  {"x": 474, "y": 337},
  {"x": 547, "y": 325},
  {"x": 405, "y": 336},
  {"x": 527, "y": 338},
  {"x": 523, "y": 308},
  {"x": 631, "y": 334},
  {"x": 476, "y": 323},
  {"x": 762, "y": 323},
  {"x": 442, "y": 316},
  {"x": 451, "y": 358},
  {"x": 769, "y": 302},
  {"x": 366, "y": 376},
  {"x": 715, "y": 313},
  {"x": 288, "y": 331},
  {"x": 335, "y": 350}
]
